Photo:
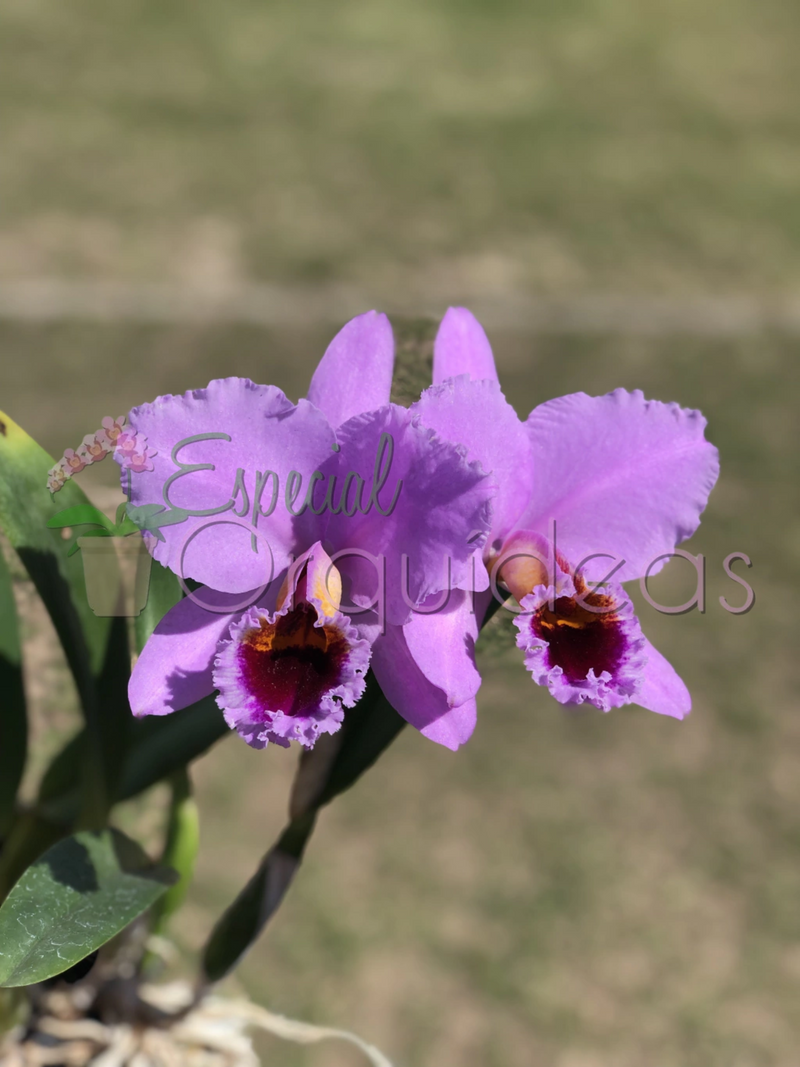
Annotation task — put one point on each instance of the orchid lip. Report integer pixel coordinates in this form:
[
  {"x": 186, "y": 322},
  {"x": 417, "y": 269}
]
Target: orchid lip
[
  {"x": 289, "y": 665},
  {"x": 577, "y": 641},
  {"x": 584, "y": 646},
  {"x": 289, "y": 676}
]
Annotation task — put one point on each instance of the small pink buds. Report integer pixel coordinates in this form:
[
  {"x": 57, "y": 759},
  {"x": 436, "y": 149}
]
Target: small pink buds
[{"x": 95, "y": 447}]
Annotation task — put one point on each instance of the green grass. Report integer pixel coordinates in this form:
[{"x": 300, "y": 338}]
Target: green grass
[
  {"x": 621, "y": 145},
  {"x": 568, "y": 890}
]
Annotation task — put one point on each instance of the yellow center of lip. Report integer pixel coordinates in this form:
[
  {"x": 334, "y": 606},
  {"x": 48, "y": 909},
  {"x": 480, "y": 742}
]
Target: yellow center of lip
[
  {"x": 295, "y": 630},
  {"x": 323, "y": 583}
]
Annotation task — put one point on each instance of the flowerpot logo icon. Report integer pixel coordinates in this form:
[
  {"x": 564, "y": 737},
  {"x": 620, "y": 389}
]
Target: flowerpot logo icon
[{"x": 117, "y": 574}]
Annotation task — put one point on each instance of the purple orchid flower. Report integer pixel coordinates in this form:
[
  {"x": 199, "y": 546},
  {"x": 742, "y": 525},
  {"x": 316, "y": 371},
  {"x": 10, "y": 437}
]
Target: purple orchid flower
[
  {"x": 282, "y": 512},
  {"x": 623, "y": 478}
]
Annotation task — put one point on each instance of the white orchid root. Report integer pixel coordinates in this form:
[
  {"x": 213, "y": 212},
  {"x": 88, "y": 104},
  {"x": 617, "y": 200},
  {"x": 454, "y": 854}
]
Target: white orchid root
[{"x": 113, "y": 1020}]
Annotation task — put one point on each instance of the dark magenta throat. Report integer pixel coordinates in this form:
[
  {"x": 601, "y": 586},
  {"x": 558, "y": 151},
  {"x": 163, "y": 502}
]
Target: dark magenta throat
[
  {"x": 580, "y": 640},
  {"x": 290, "y": 665}
]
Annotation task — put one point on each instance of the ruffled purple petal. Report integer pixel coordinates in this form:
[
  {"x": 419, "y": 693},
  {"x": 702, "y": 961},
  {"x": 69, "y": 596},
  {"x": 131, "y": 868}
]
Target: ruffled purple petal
[
  {"x": 621, "y": 475},
  {"x": 477, "y": 415},
  {"x": 662, "y": 689},
  {"x": 433, "y": 507},
  {"x": 355, "y": 374},
  {"x": 462, "y": 347},
  {"x": 420, "y": 702},
  {"x": 583, "y": 656},
  {"x": 175, "y": 666},
  {"x": 267, "y": 433},
  {"x": 288, "y": 676}
]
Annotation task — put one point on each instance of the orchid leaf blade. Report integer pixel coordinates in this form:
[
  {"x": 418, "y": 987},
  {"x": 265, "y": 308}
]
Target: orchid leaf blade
[
  {"x": 164, "y": 592},
  {"x": 156, "y": 749},
  {"x": 181, "y": 848},
  {"x": 80, "y": 515},
  {"x": 327, "y": 770},
  {"x": 25, "y": 508},
  {"x": 73, "y": 899},
  {"x": 13, "y": 712}
]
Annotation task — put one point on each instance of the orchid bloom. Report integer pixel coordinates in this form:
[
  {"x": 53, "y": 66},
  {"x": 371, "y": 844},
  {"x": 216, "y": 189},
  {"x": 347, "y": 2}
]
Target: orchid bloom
[
  {"x": 57, "y": 477},
  {"x": 115, "y": 436},
  {"x": 73, "y": 462},
  {"x": 133, "y": 453},
  {"x": 282, "y": 510},
  {"x": 111, "y": 429},
  {"x": 94, "y": 448},
  {"x": 128, "y": 442},
  {"x": 623, "y": 479}
]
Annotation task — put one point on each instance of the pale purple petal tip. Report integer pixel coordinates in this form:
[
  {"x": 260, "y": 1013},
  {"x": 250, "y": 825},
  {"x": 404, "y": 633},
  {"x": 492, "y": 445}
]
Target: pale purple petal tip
[
  {"x": 662, "y": 691},
  {"x": 462, "y": 347},
  {"x": 414, "y": 696},
  {"x": 454, "y": 727},
  {"x": 355, "y": 374}
]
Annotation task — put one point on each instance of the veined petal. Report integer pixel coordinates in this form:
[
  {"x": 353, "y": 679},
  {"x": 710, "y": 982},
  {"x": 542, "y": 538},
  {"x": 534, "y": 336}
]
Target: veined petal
[
  {"x": 355, "y": 374},
  {"x": 620, "y": 475},
  {"x": 175, "y": 666},
  {"x": 420, "y": 702},
  {"x": 662, "y": 691},
  {"x": 288, "y": 676},
  {"x": 462, "y": 347},
  {"x": 477, "y": 415},
  {"x": 433, "y": 507},
  {"x": 245, "y": 430}
]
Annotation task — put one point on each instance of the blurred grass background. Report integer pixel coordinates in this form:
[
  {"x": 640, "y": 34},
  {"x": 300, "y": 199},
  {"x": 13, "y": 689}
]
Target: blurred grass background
[{"x": 569, "y": 890}]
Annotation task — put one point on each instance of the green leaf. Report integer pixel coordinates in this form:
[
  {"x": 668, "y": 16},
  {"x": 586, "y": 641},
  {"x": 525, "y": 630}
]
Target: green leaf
[
  {"x": 126, "y": 527},
  {"x": 151, "y": 517},
  {"x": 80, "y": 515},
  {"x": 165, "y": 745},
  {"x": 63, "y": 775},
  {"x": 371, "y": 730},
  {"x": 157, "y": 748},
  {"x": 114, "y": 726},
  {"x": 180, "y": 849},
  {"x": 31, "y": 833},
  {"x": 13, "y": 714},
  {"x": 76, "y": 897},
  {"x": 331, "y": 767},
  {"x": 163, "y": 594},
  {"x": 25, "y": 508},
  {"x": 242, "y": 923}
]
